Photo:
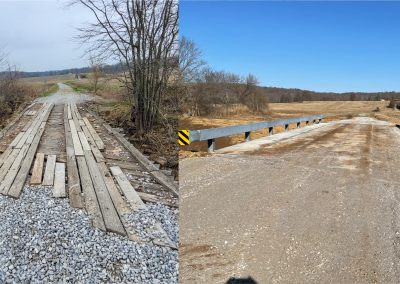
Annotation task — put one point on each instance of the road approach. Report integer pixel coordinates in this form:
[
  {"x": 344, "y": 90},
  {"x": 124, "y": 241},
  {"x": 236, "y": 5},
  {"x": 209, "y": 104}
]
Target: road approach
[{"x": 320, "y": 207}]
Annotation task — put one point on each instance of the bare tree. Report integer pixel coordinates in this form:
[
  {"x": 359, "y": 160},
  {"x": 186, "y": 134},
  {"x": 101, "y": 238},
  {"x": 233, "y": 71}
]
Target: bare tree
[
  {"x": 98, "y": 77},
  {"x": 250, "y": 82},
  {"x": 143, "y": 37}
]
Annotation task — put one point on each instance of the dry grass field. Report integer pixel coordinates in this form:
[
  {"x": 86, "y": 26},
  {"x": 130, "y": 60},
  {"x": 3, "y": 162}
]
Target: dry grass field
[
  {"x": 333, "y": 111},
  {"x": 50, "y": 79}
]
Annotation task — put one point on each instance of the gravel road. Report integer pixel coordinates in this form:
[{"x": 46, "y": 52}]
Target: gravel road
[
  {"x": 66, "y": 94},
  {"x": 323, "y": 207}
]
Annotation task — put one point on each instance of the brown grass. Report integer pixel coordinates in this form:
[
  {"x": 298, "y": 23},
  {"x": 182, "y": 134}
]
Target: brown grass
[{"x": 333, "y": 111}]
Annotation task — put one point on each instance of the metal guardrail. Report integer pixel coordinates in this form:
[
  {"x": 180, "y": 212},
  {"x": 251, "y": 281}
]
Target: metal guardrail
[{"x": 186, "y": 137}]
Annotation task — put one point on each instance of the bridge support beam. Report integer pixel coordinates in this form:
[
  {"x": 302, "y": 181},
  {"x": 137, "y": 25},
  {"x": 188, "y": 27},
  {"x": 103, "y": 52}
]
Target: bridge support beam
[
  {"x": 247, "y": 136},
  {"x": 271, "y": 131},
  {"x": 298, "y": 124},
  {"x": 211, "y": 145},
  {"x": 306, "y": 123},
  {"x": 286, "y": 127}
]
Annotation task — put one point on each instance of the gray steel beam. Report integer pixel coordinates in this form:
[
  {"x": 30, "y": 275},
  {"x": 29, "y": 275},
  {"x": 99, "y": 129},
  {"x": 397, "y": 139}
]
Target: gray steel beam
[{"x": 212, "y": 133}]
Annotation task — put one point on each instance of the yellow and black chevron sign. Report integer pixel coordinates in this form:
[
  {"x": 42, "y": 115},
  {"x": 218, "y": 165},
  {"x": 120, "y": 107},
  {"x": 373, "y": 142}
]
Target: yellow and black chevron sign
[{"x": 184, "y": 137}]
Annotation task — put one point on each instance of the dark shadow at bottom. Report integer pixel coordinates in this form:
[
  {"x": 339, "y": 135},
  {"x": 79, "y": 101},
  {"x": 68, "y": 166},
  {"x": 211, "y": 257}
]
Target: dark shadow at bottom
[{"x": 241, "y": 281}]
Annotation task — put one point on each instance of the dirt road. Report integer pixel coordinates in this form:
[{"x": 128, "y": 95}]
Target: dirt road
[{"x": 322, "y": 207}]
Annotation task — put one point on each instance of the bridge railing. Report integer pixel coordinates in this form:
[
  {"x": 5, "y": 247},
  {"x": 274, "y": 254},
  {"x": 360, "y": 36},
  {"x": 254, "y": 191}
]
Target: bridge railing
[{"x": 187, "y": 137}]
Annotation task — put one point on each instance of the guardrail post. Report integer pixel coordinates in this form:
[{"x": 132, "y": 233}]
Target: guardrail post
[
  {"x": 271, "y": 131},
  {"x": 313, "y": 122},
  {"x": 320, "y": 121},
  {"x": 247, "y": 136},
  {"x": 286, "y": 127},
  {"x": 211, "y": 145},
  {"x": 298, "y": 124},
  {"x": 306, "y": 123}
]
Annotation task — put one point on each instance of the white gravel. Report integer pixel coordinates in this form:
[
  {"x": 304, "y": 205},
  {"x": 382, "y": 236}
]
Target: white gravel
[
  {"x": 66, "y": 94},
  {"x": 44, "y": 240}
]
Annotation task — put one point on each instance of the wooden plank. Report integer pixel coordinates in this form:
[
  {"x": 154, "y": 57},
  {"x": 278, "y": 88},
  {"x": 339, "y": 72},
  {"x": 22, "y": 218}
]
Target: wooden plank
[
  {"x": 84, "y": 142},
  {"x": 96, "y": 152},
  {"x": 75, "y": 119},
  {"x": 10, "y": 176},
  {"x": 94, "y": 134},
  {"x": 121, "y": 159},
  {"x": 91, "y": 203},
  {"x": 78, "y": 115},
  {"x": 130, "y": 193},
  {"x": 18, "y": 185},
  {"x": 137, "y": 204},
  {"x": 154, "y": 172},
  {"x": 69, "y": 112},
  {"x": 119, "y": 202},
  {"x": 48, "y": 178},
  {"x": 34, "y": 127},
  {"x": 59, "y": 181},
  {"x": 155, "y": 199},
  {"x": 16, "y": 140},
  {"x": 75, "y": 139},
  {"x": 74, "y": 184},
  {"x": 5, "y": 155},
  {"x": 26, "y": 127},
  {"x": 110, "y": 216},
  {"x": 81, "y": 122},
  {"x": 37, "y": 172},
  {"x": 8, "y": 163},
  {"x": 128, "y": 166}
]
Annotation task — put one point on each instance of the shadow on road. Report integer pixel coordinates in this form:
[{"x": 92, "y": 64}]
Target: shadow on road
[{"x": 241, "y": 281}]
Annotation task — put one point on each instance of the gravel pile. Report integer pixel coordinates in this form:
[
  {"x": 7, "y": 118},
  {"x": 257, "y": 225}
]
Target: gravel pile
[
  {"x": 44, "y": 240},
  {"x": 147, "y": 219}
]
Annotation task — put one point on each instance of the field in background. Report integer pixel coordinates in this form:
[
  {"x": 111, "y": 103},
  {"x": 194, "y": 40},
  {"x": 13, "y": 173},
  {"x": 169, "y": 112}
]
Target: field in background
[
  {"x": 333, "y": 111},
  {"x": 50, "y": 79}
]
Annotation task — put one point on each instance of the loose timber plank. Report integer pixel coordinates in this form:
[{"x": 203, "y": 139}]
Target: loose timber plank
[
  {"x": 5, "y": 129},
  {"x": 74, "y": 184},
  {"x": 37, "y": 172},
  {"x": 10, "y": 176},
  {"x": 81, "y": 122},
  {"x": 5, "y": 155},
  {"x": 69, "y": 112},
  {"x": 59, "y": 181},
  {"x": 84, "y": 142},
  {"x": 75, "y": 139},
  {"x": 78, "y": 115},
  {"x": 96, "y": 152},
  {"x": 155, "y": 199},
  {"x": 119, "y": 202},
  {"x": 91, "y": 203},
  {"x": 75, "y": 119},
  {"x": 34, "y": 127},
  {"x": 16, "y": 140},
  {"x": 130, "y": 193},
  {"x": 94, "y": 134},
  {"x": 137, "y": 204},
  {"x": 26, "y": 127},
  {"x": 8, "y": 163},
  {"x": 18, "y": 185},
  {"x": 122, "y": 165},
  {"x": 48, "y": 178},
  {"x": 110, "y": 216}
]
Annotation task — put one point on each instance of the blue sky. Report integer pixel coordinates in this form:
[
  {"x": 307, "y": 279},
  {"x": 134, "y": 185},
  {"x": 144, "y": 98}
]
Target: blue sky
[{"x": 319, "y": 46}]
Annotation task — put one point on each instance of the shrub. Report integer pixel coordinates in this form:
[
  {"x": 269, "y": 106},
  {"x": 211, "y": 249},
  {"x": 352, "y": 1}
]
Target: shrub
[{"x": 392, "y": 103}]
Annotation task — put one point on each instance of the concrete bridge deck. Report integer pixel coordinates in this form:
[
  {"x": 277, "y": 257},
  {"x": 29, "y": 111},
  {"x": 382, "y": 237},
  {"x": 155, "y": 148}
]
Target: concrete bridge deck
[{"x": 322, "y": 206}]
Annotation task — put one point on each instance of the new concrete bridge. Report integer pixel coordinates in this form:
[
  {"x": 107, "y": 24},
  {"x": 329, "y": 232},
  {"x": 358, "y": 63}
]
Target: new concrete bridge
[{"x": 319, "y": 204}]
